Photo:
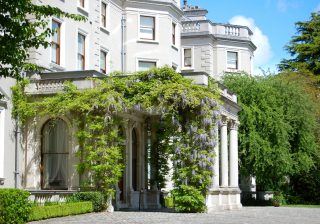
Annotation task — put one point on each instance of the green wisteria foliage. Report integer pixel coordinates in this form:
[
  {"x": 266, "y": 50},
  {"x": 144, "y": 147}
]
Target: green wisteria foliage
[{"x": 187, "y": 115}]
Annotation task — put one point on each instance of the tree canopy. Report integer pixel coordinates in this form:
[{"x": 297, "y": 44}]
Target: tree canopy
[
  {"x": 304, "y": 47},
  {"x": 277, "y": 130},
  {"x": 24, "y": 25}
]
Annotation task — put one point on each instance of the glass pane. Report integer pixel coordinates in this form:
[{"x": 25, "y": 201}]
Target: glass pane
[
  {"x": 103, "y": 61},
  {"x": 54, "y": 53},
  {"x": 81, "y": 44},
  {"x": 146, "y": 65},
  {"x": 54, "y": 135},
  {"x": 55, "y": 171},
  {"x": 232, "y": 59},
  {"x": 146, "y": 33},
  {"x": 103, "y": 8},
  {"x": 80, "y": 62},
  {"x": 187, "y": 62},
  {"x": 55, "y": 27},
  {"x": 146, "y": 21},
  {"x": 187, "y": 53}
]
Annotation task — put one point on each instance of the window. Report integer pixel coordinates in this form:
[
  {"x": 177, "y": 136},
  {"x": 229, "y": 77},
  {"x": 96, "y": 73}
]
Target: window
[
  {"x": 103, "y": 14},
  {"x": 81, "y": 3},
  {"x": 81, "y": 51},
  {"x": 2, "y": 146},
  {"x": 55, "y": 44},
  {"x": 187, "y": 57},
  {"x": 232, "y": 60},
  {"x": 173, "y": 33},
  {"x": 103, "y": 61},
  {"x": 147, "y": 27},
  {"x": 54, "y": 155},
  {"x": 146, "y": 65}
]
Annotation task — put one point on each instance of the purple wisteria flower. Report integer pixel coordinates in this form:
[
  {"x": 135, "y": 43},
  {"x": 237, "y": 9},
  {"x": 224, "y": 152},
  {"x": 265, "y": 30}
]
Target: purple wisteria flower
[
  {"x": 212, "y": 103},
  {"x": 137, "y": 107},
  {"x": 193, "y": 172},
  {"x": 177, "y": 150},
  {"x": 206, "y": 122},
  {"x": 216, "y": 113}
]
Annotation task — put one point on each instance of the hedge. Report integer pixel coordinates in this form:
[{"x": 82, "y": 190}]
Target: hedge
[
  {"x": 97, "y": 199},
  {"x": 51, "y": 211},
  {"x": 14, "y": 206}
]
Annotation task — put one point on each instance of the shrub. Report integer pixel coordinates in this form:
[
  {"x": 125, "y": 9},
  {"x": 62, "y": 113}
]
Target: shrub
[
  {"x": 97, "y": 199},
  {"x": 168, "y": 202},
  {"x": 45, "y": 212},
  {"x": 14, "y": 206},
  {"x": 188, "y": 199},
  {"x": 277, "y": 199}
]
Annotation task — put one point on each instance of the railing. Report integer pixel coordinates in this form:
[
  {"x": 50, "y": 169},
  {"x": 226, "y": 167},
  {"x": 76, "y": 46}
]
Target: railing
[
  {"x": 50, "y": 85},
  {"x": 232, "y": 31},
  {"x": 190, "y": 27}
]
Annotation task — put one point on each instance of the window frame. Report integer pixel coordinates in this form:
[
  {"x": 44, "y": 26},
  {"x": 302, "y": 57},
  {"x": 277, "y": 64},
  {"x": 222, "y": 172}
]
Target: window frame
[
  {"x": 67, "y": 154},
  {"x": 83, "y": 55},
  {"x": 2, "y": 137},
  {"x": 103, "y": 51},
  {"x": 147, "y": 61},
  {"x": 237, "y": 61},
  {"x": 82, "y": 3},
  {"x": 183, "y": 58},
  {"x": 174, "y": 33},
  {"x": 58, "y": 44},
  {"x": 103, "y": 18},
  {"x": 154, "y": 29}
]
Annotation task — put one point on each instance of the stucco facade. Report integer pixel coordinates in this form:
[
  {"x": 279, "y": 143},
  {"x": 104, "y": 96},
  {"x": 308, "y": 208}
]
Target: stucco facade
[{"x": 128, "y": 36}]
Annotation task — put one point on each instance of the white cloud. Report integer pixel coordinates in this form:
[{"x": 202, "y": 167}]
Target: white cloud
[{"x": 263, "y": 54}]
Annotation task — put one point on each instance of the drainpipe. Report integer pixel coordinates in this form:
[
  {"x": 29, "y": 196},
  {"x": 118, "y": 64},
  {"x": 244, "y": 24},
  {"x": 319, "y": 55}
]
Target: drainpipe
[
  {"x": 123, "y": 50},
  {"x": 16, "y": 168}
]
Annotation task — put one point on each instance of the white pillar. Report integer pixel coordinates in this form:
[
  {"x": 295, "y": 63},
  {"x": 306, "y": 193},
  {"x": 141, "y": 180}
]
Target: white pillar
[
  {"x": 224, "y": 152},
  {"x": 216, "y": 170},
  {"x": 234, "y": 154}
]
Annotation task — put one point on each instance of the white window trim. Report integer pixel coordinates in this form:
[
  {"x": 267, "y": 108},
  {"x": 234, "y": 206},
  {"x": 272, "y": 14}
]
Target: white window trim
[
  {"x": 147, "y": 60},
  {"x": 85, "y": 8},
  {"x": 238, "y": 61},
  {"x": 107, "y": 59},
  {"x": 156, "y": 21},
  {"x": 2, "y": 131},
  {"x": 107, "y": 27},
  {"x": 86, "y": 48},
  {"x": 176, "y": 39},
  {"x": 192, "y": 58},
  {"x": 62, "y": 46}
]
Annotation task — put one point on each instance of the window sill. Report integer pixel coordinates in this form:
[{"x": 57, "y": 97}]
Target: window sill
[
  {"x": 57, "y": 67},
  {"x": 83, "y": 11},
  {"x": 187, "y": 69},
  {"x": 147, "y": 41},
  {"x": 174, "y": 47},
  {"x": 105, "y": 30},
  {"x": 232, "y": 70}
]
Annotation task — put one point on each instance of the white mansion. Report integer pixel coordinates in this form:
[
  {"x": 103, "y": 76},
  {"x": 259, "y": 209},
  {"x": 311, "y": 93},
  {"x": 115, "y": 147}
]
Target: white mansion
[{"x": 126, "y": 36}]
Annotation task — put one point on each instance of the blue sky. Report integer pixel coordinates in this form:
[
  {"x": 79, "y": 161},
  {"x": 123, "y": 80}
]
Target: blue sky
[{"x": 271, "y": 20}]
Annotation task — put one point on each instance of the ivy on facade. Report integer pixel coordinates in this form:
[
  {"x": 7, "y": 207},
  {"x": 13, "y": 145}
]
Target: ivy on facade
[{"x": 186, "y": 118}]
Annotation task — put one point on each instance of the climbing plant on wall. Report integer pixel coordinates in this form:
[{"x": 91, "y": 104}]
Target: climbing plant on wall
[{"x": 187, "y": 114}]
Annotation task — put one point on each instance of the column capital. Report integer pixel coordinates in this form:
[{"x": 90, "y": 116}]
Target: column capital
[
  {"x": 224, "y": 121},
  {"x": 234, "y": 125}
]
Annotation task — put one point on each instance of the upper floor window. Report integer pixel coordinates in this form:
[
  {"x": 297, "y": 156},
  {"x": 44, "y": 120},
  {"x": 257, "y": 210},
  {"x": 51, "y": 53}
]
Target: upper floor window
[
  {"x": 174, "y": 33},
  {"x": 54, "y": 155},
  {"x": 187, "y": 57},
  {"x": 55, "y": 44},
  {"x": 81, "y": 51},
  {"x": 232, "y": 60},
  {"x": 147, "y": 27},
  {"x": 146, "y": 65},
  {"x": 81, "y": 3},
  {"x": 103, "y": 14},
  {"x": 103, "y": 61}
]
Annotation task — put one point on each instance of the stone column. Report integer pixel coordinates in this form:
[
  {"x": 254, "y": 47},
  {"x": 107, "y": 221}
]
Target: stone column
[
  {"x": 234, "y": 154},
  {"x": 224, "y": 152},
  {"x": 216, "y": 165}
]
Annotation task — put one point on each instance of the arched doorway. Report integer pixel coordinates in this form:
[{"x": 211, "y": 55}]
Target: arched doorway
[{"x": 54, "y": 155}]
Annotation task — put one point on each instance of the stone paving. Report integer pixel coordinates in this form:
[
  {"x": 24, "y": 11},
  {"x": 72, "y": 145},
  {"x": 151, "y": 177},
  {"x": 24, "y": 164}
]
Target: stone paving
[{"x": 246, "y": 215}]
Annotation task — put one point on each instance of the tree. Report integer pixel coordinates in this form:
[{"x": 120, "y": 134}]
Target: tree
[
  {"x": 305, "y": 47},
  {"x": 23, "y": 25},
  {"x": 277, "y": 130}
]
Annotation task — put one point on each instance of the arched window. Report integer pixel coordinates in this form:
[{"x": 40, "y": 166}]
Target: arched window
[
  {"x": 134, "y": 160},
  {"x": 54, "y": 155}
]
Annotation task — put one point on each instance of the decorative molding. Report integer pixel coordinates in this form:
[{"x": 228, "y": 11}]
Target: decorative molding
[{"x": 234, "y": 125}]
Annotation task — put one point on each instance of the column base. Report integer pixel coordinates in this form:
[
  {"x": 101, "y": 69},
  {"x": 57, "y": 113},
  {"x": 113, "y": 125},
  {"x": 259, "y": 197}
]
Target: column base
[{"x": 223, "y": 198}]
